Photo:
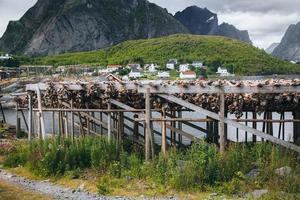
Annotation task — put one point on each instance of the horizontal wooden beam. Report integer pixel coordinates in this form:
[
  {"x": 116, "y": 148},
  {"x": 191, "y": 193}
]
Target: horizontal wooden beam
[
  {"x": 232, "y": 123},
  {"x": 160, "y": 87}
]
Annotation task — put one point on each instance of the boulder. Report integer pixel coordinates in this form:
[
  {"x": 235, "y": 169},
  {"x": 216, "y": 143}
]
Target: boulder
[{"x": 283, "y": 171}]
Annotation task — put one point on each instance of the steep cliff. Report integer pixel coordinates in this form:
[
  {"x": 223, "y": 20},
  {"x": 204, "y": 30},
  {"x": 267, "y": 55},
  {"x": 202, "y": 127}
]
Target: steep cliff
[
  {"x": 201, "y": 21},
  {"x": 289, "y": 47},
  {"x": 58, "y": 26}
]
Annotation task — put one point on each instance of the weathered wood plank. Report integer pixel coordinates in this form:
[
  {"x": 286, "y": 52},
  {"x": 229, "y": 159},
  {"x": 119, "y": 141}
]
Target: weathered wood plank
[{"x": 232, "y": 123}]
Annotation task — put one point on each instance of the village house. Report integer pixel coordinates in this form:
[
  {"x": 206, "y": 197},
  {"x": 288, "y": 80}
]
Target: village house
[
  {"x": 151, "y": 67},
  {"x": 184, "y": 67},
  {"x": 5, "y": 57},
  {"x": 135, "y": 73},
  {"x": 112, "y": 68},
  {"x": 188, "y": 75},
  {"x": 163, "y": 75},
  {"x": 197, "y": 64},
  {"x": 223, "y": 72},
  {"x": 134, "y": 65},
  {"x": 171, "y": 64}
]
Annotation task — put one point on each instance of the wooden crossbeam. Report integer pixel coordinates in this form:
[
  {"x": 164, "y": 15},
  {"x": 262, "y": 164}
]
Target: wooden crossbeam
[{"x": 231, "y": 122}]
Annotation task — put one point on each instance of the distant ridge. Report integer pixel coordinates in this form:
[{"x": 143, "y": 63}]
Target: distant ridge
[{"x": 241, "y": 57}]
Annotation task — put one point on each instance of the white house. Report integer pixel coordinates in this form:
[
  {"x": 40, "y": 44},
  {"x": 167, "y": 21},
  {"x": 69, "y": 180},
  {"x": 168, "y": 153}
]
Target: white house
[
  {"x": 135, "y": 73},
  {"x": 5, "y": 57},
  {"x": 223, "y": 72},
  {"x": 184, "y": 67},
  {"x": 151, "y": 67},
  {"x": 112, "y": 68},
  {"x": 197, "y": 64},
  {"x": 134, "y": 65},
  {"x": 188, "y": 75},
  {"x": 163, "y": 75},
  {"x": 170, "y": 66}
]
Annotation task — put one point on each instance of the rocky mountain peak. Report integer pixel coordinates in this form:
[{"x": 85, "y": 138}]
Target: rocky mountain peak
[
  {"x": 204, "y": 22},
  {"x": 199, "y": 21},
  {"x": 58, "y": 26},
  {"x": 289, "y": 47}
]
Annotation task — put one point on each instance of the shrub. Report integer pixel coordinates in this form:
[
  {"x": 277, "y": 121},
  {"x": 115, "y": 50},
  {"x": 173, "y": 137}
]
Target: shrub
[{"x": 17, "y": 156}]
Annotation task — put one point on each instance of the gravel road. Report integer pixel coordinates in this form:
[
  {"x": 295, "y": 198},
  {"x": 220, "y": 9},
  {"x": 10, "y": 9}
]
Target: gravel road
[{"x": 53, "y": 190}]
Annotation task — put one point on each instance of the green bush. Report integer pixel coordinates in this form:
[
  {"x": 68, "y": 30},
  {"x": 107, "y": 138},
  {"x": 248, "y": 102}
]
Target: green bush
[
  {"x": 198, "y": 167},
  {"x": 17, "y": 156}
]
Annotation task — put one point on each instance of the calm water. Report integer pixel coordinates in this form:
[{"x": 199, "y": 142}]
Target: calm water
[{"x": 232, "y": 132}]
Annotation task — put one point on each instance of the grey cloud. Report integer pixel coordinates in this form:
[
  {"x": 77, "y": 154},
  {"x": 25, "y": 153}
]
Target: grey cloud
[{"x": 12, "y": 10}]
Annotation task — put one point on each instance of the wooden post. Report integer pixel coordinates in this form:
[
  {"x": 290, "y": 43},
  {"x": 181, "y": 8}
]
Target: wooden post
[
  {"x": 41, "y": 116},
  {"x": 283, "y": 126},
  {"x": 246, "y": 133},
  {"x": 66, "y": 125},
  {"x": 222, "y": 123},
  {"x": 136, "y": 128},
  {"x": 210, "y": 130},
  {"x": 173, "y": 134},
  {"x": 18, "y": 128},
  {"x": 72, "y": 121},
  {"x": 2, "y": 112},
  {"x": 163, "y": 133},
  {"x": 109, "y": 121},
  {"x": 17, "y": 121},
  {"x": 180, "y": 127},
  {"x": 101, "y": 127},
  {"x": 30, "y": 118},
  {"x": 269, "y": 124},
  {"x": 60, "y": 125},
  {"x": 296, "y": 135},
  {"x": 147, "y": 124},
  {"x": 53, "y": 124}
]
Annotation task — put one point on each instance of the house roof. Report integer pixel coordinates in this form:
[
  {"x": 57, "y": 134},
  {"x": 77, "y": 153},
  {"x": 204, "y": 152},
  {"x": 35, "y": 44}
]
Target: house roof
[{"x": 133, "y": 64}]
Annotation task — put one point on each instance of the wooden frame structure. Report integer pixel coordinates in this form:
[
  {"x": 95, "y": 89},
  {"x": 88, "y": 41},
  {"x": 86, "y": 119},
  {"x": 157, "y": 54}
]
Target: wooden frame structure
[{"x": 114, "y": 123}]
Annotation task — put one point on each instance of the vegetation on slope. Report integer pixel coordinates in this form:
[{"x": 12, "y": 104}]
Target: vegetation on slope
[
  {"x": 199, "y": 168},
  {"x": 236, "y": 56}
]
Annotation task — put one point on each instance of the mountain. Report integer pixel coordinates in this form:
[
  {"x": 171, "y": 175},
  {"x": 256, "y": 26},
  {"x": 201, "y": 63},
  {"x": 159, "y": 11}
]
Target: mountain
[
  {"x": 289, "y": 47},
  {"x": 271, "y": 48},
  {"x": 244, "y": 58},
  {"x": 201, "y": 21},
  {"x": 58, "y": 26}
]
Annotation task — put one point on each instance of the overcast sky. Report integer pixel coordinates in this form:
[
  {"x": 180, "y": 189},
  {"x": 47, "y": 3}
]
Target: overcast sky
[{"x": 266, "y": 20}]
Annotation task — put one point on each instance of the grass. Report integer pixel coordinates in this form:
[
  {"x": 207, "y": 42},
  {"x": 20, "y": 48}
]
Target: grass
[
  {"x": 241, "y": 57},
  {"x": 114, "y": 169}
]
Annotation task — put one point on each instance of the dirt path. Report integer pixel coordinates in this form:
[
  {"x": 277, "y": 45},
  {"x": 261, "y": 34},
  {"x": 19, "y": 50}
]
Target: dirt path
[
  {"x": 46, "y": 188},
  {"x": 14, "y": 192}
]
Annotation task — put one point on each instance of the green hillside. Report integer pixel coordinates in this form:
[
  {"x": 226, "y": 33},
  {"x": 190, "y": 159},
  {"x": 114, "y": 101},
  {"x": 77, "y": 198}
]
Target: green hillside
[{"x": 241, "y": 57}]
